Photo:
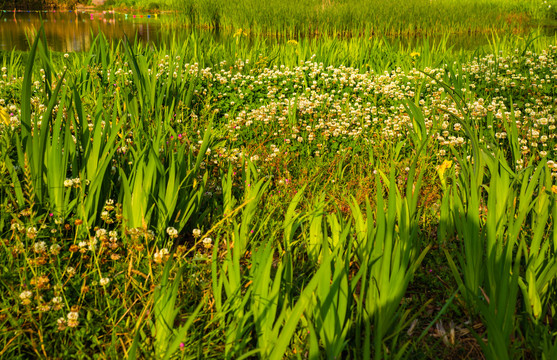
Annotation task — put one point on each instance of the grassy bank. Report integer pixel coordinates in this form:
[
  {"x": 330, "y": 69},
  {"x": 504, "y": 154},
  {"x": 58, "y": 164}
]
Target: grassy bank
[
  {"x": 366, "y": 18},
  {"x": 338, "y": 199},
  {"x": 347, "y": 17},
  {"x": 355, "y": 17}
]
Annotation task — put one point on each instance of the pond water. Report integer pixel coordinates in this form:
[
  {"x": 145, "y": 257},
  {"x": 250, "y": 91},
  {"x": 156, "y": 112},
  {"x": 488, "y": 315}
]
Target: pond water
[{"x": 75, "y": 30}]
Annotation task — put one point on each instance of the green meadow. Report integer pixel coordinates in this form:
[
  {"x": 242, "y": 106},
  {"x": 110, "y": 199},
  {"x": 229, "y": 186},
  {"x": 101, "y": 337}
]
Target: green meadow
[{"x": 324, "y": 180}]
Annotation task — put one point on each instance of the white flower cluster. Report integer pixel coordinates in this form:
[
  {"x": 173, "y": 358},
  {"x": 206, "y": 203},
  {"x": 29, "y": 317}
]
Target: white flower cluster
[
  {"x": 172, "y": 232},
  {"x": 25, "y": 297},
  {"x": 161, "y": 255},
  {"x": 71, "y": 321}
]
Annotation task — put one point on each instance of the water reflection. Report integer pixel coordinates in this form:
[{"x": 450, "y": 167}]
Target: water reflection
[{"x": 74, "y": 31}]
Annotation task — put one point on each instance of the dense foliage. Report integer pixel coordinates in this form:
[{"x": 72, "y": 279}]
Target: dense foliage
[
  {"x": 317, "y": 198},
  {"x": 38, "y": 4}
]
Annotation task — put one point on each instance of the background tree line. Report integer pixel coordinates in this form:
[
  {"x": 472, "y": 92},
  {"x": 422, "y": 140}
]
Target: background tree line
[{"x": 39, "y": 4}]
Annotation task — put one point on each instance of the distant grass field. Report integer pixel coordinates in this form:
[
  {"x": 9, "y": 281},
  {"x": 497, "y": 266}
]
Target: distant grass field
[{"x": 358, "y": 17}]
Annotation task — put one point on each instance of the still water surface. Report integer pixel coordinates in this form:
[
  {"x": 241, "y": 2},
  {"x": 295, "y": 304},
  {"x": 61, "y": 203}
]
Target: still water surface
[{"x": 75, "y": 30}]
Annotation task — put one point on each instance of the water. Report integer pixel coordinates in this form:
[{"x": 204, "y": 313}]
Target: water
[
  {"x": 68, "y": 31},
  {"x": 74, "y": 30}
]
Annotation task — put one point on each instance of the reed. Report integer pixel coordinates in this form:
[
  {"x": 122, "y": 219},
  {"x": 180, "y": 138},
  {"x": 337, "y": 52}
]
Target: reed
[{"x": 365, "y": 18}]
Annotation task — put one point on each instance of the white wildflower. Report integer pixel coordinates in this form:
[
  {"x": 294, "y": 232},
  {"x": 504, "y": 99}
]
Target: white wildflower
[{"x": 172, "y": 232}]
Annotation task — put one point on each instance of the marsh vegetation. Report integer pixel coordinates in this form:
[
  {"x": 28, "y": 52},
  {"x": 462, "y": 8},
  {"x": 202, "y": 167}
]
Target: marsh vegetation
[{"x": 316, "y": 197}]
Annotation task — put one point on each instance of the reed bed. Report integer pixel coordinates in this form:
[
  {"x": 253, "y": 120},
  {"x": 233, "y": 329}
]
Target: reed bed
[
  {"x": 298, "y": 200},
  {"x": 366, "y": 17}
]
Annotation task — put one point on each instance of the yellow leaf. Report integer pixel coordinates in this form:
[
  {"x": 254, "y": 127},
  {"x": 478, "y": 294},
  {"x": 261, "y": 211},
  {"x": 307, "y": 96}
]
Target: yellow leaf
[
  {"x": 442, "y": 168},
  {"x": 238, "y": 32},
  {"x": 4, "y": 117}
]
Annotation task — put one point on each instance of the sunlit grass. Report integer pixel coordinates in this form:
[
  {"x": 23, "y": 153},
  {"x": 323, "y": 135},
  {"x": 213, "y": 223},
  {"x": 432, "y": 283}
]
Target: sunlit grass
[
  {"x": 278, "y": 200},
  {"x": 366, "y": 18}
]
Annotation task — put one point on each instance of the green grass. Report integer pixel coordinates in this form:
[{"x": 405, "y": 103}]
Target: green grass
[
  {"x": 362, "y": 18},
  {"x": 319, "y": 198},
  {"x": 366, "y": 18}
]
